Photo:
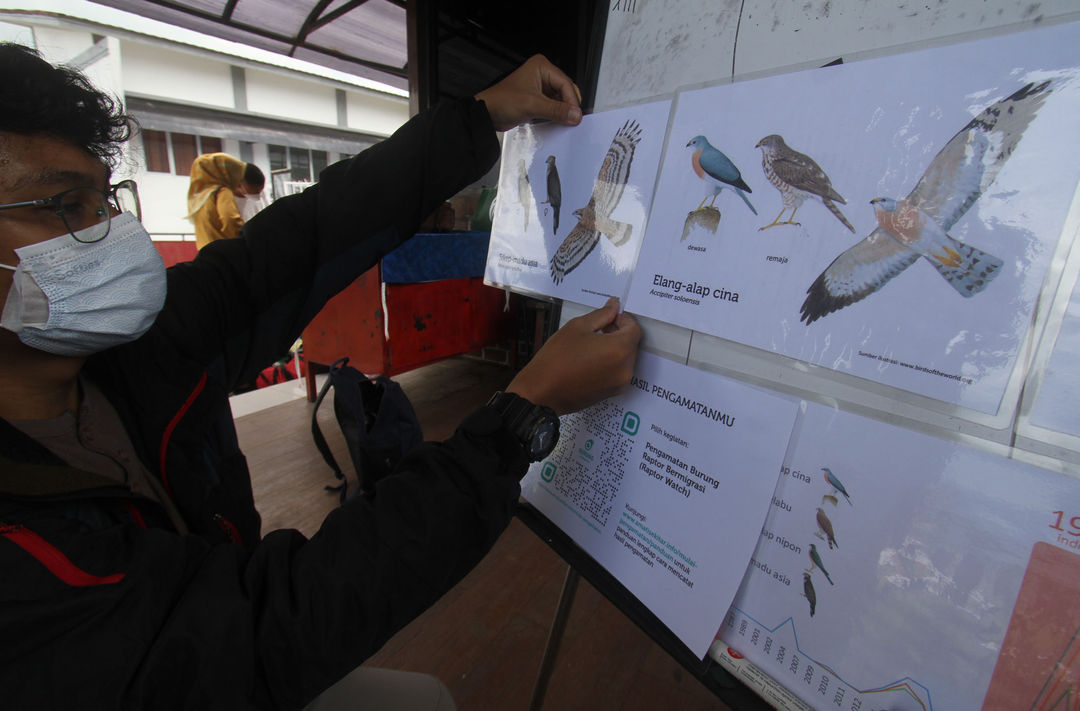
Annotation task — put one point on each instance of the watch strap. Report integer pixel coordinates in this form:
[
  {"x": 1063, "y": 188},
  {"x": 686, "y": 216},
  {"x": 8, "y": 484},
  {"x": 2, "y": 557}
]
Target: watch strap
[{"x": 520, "y": 416}]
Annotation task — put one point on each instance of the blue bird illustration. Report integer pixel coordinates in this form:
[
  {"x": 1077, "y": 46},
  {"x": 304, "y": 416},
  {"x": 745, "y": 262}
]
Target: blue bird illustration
[
  {"x": 835, "y": 484},
  {"x": 717, "y": 170},
  {"x": 815, "y": 562}
]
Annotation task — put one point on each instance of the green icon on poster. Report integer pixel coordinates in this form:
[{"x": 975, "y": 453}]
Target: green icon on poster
[
  {"x": 548, "y": 471},
  {"x": 630, "y": 423}
]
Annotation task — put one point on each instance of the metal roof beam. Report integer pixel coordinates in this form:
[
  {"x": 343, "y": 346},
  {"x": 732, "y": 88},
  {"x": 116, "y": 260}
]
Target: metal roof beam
[{"x": 278, "y": 37}]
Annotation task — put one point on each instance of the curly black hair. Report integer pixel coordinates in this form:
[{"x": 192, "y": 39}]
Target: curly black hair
[{"x": 38, "y": 98}]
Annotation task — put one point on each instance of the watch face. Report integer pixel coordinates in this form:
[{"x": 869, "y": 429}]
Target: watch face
[{"x": 543, "y": 439}]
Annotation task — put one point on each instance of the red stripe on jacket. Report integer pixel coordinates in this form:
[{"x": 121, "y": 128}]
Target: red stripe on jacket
[
  {"x": 172, "y": 426},
  {"x": 50, "y": 556}
]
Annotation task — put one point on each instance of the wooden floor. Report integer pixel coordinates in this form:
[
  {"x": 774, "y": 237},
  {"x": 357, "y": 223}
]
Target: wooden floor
[{"x": 485, "y": 638}]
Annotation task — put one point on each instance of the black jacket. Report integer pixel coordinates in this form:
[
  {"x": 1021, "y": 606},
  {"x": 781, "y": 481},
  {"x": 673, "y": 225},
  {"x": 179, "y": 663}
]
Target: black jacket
[{"x": 103, "y": 605}]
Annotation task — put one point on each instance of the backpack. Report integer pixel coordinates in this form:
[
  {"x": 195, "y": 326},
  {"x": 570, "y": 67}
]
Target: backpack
[{"x": 378, "y": 422}]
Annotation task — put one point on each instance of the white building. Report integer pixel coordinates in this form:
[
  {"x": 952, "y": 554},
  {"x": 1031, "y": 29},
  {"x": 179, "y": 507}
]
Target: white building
[{"x": 194, "y": 94}]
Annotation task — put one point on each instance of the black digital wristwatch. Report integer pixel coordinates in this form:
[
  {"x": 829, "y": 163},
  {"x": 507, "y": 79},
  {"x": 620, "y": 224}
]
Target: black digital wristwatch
[{"x": 536, "y": 427}]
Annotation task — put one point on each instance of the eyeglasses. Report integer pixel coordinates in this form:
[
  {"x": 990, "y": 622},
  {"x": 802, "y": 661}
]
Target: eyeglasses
[{"x": 87, "y": 212}]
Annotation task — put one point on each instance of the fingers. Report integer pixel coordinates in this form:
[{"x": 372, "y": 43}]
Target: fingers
[
  {"x": 602, "y": 317},
  {"x": 536, "y": 89},
  {"x": 556, "y": 84},
  {"x": 591, "y": 358},
  {"x": 558, "y": 111},
  {"x": 629, "y": 327}
]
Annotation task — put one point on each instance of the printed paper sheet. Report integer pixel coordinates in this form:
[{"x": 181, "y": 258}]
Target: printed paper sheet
[
  {"x": 890, "y": 567},
  {"x": 892, "y": 219},
  {"x": 573, "y": 202},
  {"x": 666, "y": 486}
]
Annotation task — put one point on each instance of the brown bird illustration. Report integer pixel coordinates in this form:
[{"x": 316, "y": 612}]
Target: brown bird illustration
[
  {"x": 809, "y": 593},
  {"x": 825, "y": 527},
  {"x": 595, "y": 218},
  {"x": 797, "y": 177}
]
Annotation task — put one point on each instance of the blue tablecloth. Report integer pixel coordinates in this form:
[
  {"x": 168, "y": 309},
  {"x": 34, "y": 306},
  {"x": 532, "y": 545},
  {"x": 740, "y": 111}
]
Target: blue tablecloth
[{"x": 430, "y": 257}]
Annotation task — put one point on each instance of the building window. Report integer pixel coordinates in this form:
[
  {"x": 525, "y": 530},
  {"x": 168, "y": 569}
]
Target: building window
[
  {"x": 279, "y": 157},
  {"x": 209, "y": 145},
  {"x": 293, "y": 165},
  {"x": 184, "y": 150},
  {"x": 300, "y": 164},
  {"x": 185, "y": 147},
  {"x": 156, "y": 150}
]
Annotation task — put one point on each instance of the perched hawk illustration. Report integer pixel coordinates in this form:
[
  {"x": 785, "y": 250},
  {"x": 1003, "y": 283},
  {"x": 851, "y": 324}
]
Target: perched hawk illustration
[
  {"x": 554, "y": 193},
  {"x": 716, "y": 169},
  {"x": 595, "y": 217},
  {"x": 825, "y": 529},
  {"x": 918, "y": 225},
  {"x": 809, "y": 593},
  {"x": 797, "y": 177},
  {"x": 524, "y": 191}
]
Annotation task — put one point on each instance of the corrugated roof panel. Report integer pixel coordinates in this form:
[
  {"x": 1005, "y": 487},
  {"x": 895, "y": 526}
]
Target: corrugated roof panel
[
  {"x": 374, "y": 31},
  {"x": 283, "y": 16}
]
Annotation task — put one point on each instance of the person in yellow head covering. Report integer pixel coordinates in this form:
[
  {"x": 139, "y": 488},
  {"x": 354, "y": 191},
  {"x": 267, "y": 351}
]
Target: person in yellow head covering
[{"x": 217, "y": 180}]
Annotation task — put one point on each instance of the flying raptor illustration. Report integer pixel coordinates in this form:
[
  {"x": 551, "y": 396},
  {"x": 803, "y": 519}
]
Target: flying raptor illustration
[
  {"x": 797, "y": 177},
  {"x": 718, "y": 172},
  {"x": 835, "y": 484},
  {"x": 554, "y": 192},
  {"x": 595, "y": 218},
  {"x": 524, "y": 190},
  {"x": 918, "y": 225},
  {"x": 825, "y": 529}
]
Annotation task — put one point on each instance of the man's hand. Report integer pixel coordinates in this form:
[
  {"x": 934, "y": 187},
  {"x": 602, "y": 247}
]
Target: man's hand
[
  {"x": 536, "y": 89},
  {"x": 590, "y": 358}
]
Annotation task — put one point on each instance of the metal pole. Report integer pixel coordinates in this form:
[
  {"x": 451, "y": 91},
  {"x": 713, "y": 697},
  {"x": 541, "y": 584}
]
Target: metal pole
[{"x": 558, "y": 626}]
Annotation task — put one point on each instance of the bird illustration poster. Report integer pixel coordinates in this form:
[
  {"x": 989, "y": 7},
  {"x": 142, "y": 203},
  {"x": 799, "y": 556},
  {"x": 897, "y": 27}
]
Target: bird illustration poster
[
  {"x": 636, "y": 483},
  {"x": 890, "y": 566},
  {"x": 573, "y": 202},
  {"x": 891, "y": 218}
]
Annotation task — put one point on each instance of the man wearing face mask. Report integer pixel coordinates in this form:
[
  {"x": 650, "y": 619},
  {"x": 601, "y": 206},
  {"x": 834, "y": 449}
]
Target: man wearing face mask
[
  {"x": 218, "y": 184},
  {"x": 134, "y": 572}
]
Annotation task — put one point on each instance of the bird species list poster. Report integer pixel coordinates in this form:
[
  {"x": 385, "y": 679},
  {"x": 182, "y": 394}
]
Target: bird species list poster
[
  {"x": 572, "y": 204},
  {"x": 892, "y": 218},
  {"x": 898, "y": 571},
  {"x": 667, "y": 485}
]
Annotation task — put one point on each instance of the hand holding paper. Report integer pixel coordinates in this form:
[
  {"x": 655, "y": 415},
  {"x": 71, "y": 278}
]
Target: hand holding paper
[
  {"x": 536, "y": 89},
  {"x": 590, "y": 358}
]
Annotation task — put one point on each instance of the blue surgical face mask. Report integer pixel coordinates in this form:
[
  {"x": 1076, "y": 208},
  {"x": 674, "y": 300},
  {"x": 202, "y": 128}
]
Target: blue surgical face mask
[{"x": 74, "y": 299}]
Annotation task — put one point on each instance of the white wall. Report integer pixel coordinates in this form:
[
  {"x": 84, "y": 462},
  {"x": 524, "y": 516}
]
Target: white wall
[
  {"x": 59, "y": 45},
  {"x": 375, "y": 114},
  {"x": 161, "y": 72},
  {"x": 274, "y": 94},
  {"x": 20, "y": 34}
]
